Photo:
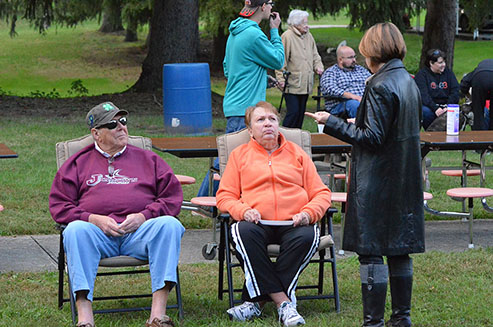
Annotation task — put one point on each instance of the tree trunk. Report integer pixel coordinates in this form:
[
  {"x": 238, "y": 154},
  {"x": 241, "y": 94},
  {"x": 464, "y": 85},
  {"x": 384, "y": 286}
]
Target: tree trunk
[
  {"x": 112, "y": 17},
  {"x": 439, "y": 32},
  {"x": 174, "y": 39},
  {"x": 130, "y": 35},
  {"x": 218, "y": 50},
  {"x": 131, "y": 32}
]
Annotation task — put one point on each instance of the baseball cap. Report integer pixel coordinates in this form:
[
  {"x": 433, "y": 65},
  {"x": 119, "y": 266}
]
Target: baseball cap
[
  {"x": 251, "y": 7},
  {"x": 102, "y": 114}
]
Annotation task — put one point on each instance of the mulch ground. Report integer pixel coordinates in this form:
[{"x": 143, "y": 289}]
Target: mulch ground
[{"x": 143, "y": 103}]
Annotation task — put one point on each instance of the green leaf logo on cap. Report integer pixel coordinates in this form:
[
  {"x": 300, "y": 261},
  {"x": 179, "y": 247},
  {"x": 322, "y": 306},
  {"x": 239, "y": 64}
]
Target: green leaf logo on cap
[{"x": 108, "y": 107}]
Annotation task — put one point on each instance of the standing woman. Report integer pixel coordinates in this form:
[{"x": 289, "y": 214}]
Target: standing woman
[
  {"x": 301, "y": 59},
  {"x": 385, "y": 202}
]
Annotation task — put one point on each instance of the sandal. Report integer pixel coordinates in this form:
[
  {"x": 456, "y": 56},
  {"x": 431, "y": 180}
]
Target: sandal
[
  {"x": 165, "y": 321},
  {"x": 84, "y": 324}
]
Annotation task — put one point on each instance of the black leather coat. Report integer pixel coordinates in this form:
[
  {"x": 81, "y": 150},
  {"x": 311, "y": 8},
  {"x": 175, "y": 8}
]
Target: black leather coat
[{"x": 385, "y": 199}]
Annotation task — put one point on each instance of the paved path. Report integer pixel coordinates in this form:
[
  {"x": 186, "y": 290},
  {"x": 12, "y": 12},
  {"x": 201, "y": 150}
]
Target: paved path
[{"x": 39, "y": 252}]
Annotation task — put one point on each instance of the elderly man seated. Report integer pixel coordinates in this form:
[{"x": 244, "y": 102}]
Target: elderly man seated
[
  {"x": 117, "y": 199},
  {"x": 271, "y": 188}
]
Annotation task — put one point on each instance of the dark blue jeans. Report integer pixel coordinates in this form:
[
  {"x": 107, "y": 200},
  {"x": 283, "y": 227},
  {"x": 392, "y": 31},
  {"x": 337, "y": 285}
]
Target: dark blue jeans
[
  {"x": 296, "y": 107},
  {"x": 234, "y": 123},
  {"x": 428, "y": 117}
]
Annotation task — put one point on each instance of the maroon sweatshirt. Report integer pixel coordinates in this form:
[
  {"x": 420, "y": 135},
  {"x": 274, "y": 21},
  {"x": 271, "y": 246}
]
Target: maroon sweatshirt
[{"x": 141, "y": 182}]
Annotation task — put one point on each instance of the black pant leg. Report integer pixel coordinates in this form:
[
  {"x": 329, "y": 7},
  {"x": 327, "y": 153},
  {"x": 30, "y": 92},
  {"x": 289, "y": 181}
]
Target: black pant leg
[
  {"x": 292, "y": 108},
  {"x": 482, "y": 87},
  {"x": 297, "y": 247},
  {"x": 302, "y": 99},
  {"x": 251, "y": 250}
]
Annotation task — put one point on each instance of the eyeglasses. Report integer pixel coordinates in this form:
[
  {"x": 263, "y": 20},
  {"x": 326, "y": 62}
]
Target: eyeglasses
[
  {"x": 271, "y": 3},
  {"x": 352, "y": 57},
  {"x": 113, "y": 123}
]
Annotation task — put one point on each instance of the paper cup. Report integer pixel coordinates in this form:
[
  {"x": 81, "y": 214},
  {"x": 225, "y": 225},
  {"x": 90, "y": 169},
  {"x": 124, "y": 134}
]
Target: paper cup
[{"x": 320, "y": 128}]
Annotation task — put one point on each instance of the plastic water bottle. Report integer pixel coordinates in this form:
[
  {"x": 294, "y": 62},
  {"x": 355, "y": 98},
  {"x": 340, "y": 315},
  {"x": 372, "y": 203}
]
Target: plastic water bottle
[{"x": 452, "y": 119}]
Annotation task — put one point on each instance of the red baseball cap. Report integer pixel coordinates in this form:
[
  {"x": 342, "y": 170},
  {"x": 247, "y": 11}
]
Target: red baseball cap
[{"x": 251, "y": 7}]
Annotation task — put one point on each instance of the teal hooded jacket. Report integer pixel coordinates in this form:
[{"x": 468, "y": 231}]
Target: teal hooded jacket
[{"x": 249, "y": 53}]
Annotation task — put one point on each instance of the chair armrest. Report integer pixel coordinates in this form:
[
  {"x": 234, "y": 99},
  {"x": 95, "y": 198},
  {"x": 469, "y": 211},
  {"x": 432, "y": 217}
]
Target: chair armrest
[
  {"x": 224, "y": 216},
  {"x": 60, "y": 227}
]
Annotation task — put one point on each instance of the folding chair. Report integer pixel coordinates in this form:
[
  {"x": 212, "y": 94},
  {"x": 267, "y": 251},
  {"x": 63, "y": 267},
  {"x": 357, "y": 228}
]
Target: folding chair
[
  {"x": 64, "y": 150},
  {"x": 226, "y": 143}
]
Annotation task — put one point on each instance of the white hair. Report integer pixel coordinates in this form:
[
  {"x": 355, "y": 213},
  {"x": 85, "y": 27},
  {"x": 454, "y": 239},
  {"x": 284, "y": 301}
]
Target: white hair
[{"x": 296, "y": 17}]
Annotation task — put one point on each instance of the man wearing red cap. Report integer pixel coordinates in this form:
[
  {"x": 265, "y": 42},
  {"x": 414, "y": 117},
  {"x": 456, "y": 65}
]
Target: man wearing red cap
[{"x": 249, "y": 53}]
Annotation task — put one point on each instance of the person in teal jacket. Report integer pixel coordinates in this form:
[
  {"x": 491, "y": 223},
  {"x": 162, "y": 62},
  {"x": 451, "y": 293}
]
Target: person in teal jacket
[{"x": 249, "y": 53}]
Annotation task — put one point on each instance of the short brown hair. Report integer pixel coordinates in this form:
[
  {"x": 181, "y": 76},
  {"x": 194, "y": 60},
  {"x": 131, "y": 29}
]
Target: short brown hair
[
  {"x": 383, "y": 42},
  {"x": 261, "y": 104}
]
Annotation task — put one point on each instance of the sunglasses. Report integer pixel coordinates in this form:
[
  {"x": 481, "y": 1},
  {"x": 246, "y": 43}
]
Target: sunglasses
[
  {"x": 113, "y": 123},
  {"x": 270, "y": 3}
]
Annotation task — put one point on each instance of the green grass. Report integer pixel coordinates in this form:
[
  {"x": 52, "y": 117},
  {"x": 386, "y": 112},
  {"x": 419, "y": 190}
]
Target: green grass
[
  {"x": 40, "y": 63},
  {"x": 26, "y": 181},
  {"x": 450, "y": 289},
  {"x": 341, "y": 18},
  {"x": 33, "y": 62},
  {"x": 338, "y": 19}
]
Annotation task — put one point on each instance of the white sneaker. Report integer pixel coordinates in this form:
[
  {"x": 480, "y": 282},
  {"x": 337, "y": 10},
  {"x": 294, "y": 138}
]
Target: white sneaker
[
  {"x": 288, "y": 315},
  {"x": 245, "y": 311}
]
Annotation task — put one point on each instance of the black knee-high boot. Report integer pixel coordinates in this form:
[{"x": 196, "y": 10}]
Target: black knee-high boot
[
  {"x": 374, "y": 290},
  {"x": 401, "y": 285}
]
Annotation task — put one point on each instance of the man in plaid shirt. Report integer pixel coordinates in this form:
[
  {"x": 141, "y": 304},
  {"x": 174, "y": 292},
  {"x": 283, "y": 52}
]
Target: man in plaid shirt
[{"x": 343, "y": 84}]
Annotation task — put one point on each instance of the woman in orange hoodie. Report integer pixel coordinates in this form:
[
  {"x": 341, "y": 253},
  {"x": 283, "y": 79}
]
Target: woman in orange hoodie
[{"x": 272, "y": 189}]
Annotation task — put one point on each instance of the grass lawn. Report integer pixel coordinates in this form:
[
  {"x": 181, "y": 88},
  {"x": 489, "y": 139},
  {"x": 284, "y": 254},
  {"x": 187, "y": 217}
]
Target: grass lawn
[
  {"x": 31, "y": 63},
  {"x": 449, "y": 290}
]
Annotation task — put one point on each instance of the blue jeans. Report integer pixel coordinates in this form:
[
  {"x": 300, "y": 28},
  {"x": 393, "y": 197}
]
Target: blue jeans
[
  {"x": 428, "y": 117},
  {"x": 157, "y": 240},
  {"x": 350, "y": 106},
  {"x": 487, "y": 116},
  {"x": 234, "y": 123}
]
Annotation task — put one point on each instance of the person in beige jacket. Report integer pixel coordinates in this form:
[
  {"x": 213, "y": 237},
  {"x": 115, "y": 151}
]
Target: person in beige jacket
[{"x": 301, "y": 61}]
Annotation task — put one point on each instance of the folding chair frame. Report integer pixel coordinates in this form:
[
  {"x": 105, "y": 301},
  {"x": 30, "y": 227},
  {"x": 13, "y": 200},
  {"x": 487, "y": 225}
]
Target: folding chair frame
[
  {"x": 61, "y": 299},
  {"x": 225, "y": 256}
]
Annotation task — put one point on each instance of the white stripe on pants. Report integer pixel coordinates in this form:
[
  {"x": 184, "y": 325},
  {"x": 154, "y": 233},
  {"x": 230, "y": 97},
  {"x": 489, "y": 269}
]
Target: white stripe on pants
[{"x": 262, "y": 276}]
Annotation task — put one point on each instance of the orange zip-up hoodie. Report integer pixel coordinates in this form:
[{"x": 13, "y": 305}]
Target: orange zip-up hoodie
[{"x": 279, "y": 185}]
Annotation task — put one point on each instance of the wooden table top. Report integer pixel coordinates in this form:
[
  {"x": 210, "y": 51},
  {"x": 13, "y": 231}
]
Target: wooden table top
[
  {"x": 6, "y": 153},
  {"x": 193, "y": 147},
  {"x": 466, "y": 140},
  {"x": 463, "y": 137}
]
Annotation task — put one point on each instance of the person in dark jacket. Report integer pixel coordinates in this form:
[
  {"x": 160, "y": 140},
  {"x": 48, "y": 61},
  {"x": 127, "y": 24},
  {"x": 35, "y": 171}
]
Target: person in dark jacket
[
  {"x": 385, "y": 200},
  {"x": 481, "y": 82},
  {"x": 438, "y": 86}
]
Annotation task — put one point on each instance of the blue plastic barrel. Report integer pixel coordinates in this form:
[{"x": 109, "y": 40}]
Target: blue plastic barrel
[{"x": 187, "y": 99}]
